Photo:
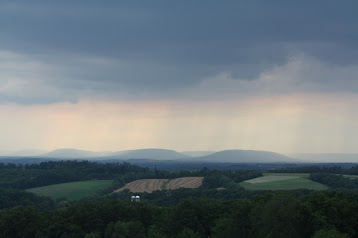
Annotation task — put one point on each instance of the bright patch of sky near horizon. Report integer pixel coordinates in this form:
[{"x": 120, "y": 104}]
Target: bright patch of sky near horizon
[{"x": 115, "y": 76}]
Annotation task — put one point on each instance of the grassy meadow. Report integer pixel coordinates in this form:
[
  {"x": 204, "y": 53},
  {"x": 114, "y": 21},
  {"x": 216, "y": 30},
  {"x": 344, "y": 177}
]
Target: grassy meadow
[
  {"x": 73, "y": 190},
  {"x": 271, "y": 181}
]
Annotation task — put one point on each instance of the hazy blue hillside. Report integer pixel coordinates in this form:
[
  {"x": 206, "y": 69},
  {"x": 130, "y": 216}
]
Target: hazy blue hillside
[
  {"x": 245, "y": 156},
  {"x": 197, "y": 153},
  {"x": 159, "y": 154},
  {"x": 74, "y": 153},
  {"x": 226, "y": 156},
  {"x": 327, "y": 157},
  {"x": 23, "y": 153}
]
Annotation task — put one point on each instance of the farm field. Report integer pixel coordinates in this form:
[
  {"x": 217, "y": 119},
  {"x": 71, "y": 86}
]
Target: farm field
[
  {"x": 143, "y": 185},
  {"x": 73, "y": 190},
  {"x": 302, "y": 175},
  {"x": 185, "y": 182},
  {"x": 150, "y": 185},
  {"x": 282, "y": 182},
  {"x": 351, "y": 176}
]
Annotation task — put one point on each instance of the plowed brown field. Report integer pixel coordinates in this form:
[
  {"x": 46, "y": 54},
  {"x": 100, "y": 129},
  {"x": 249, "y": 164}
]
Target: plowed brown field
[{"x": 150, "y": 185}]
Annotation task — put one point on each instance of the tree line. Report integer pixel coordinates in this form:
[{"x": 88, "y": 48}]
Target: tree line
[
  {"x": 20, "y": 176},
  {"x": 335, "y": 180}
]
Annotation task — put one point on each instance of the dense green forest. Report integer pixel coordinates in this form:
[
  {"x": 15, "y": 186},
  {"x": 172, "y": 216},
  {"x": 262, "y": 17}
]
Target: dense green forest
[
  {"x": 230, "y": 211},
  {"x": 279, "y": 214},
  {"x": 335, "y": 180}
]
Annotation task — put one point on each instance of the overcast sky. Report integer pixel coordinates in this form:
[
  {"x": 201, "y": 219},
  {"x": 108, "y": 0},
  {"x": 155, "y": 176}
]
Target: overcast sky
[{"x": 184, "y": 75}]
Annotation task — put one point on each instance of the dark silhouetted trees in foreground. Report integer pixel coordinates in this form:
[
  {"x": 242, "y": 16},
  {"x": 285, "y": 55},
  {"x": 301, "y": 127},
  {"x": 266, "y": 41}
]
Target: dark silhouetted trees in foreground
[{"x": 274, "y": 214}]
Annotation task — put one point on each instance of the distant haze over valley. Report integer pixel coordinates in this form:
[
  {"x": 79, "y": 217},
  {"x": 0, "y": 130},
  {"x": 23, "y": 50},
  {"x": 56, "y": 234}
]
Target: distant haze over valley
[{"x": 155, "y": 154}]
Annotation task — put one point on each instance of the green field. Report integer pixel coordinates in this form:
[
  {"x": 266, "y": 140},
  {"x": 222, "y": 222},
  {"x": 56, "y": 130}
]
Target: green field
[
  {"x": 73, "y": 190},
  {"x": 302, "y": 175},
  {"x": 282, "y": 182},
  {"x": 350, "y": 176}
]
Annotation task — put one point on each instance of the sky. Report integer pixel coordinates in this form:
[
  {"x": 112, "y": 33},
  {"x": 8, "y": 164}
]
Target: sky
[{"x": 185, "y": 75}]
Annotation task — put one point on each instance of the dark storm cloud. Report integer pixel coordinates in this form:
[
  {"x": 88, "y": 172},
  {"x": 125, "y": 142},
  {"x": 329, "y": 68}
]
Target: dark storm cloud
[{"x": 153, "y": 46}]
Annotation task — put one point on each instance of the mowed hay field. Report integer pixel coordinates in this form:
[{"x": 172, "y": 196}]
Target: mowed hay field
[
  {"x": 150, "y": 185},
  {"x": 73, "y": 190},
  {"x": 185, "y": 182},
  {"x": 143, "y": 185},
  {"x": 285, "y": 181}
]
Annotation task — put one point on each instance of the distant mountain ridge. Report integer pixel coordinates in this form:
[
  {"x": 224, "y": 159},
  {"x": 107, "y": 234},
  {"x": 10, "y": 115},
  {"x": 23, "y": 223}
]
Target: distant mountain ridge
[
  {"x": 73, "y": 153},
  {"x": 30, "y": 152},
  {"x": 198, "y": 153},
  {"x": 327, "y": 157},
  {"x": 245, "y": 156},
  {"x": 159, "y": 154},
  {"x": 154, "y": 154}
]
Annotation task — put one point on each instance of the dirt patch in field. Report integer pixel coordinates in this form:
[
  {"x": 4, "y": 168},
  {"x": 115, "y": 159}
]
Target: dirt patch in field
[{"x": 150, "y": 185}]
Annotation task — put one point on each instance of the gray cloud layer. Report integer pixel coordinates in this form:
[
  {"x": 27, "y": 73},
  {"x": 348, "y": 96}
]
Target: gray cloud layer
[{"x": 60, "y": 51}]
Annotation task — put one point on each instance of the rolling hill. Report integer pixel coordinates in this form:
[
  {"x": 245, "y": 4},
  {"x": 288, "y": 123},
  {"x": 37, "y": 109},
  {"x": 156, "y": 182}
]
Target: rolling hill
[
  {"x": 327, "y": 157},
  {"x": 153, "y": 155},
  {"x": 158, "y": 154},
  {"x": 245, "y": 156},
  {"x": 74, "y": 153},
  {"x": 197, "y": 153}
]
